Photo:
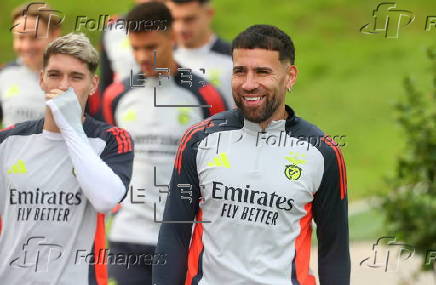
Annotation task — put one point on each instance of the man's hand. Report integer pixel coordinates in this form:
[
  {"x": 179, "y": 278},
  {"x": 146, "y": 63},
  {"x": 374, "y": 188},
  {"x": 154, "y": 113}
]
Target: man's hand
[{"x": 66, "y": 109}]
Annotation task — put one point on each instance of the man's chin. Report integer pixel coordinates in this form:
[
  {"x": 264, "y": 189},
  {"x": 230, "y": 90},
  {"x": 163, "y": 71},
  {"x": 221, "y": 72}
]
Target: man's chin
[
  {"x": 149, "y": 73},
  {"x": 187, "y": 42},
  {"x": 31, "y": 64},
  {"x": 254, "y": 116}
]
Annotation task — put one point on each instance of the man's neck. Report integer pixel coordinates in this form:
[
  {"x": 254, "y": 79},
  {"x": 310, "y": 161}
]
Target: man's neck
[
  {"x": 280, "y": 114},
  {"x": 204, "y": 40},
  {"x": 173, "y": 67},
  {"x": 34, "y": 68}
]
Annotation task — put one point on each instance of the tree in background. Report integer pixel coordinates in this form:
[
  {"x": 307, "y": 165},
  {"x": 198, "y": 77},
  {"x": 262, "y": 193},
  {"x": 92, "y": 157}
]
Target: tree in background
[{"x": 411, "y": 205}]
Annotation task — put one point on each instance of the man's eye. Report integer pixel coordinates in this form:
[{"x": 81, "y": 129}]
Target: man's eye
[
  {"x": 53, "y": 75},
  {"x": 77, "y": 77},
  {"x": 190, "y": 20}
]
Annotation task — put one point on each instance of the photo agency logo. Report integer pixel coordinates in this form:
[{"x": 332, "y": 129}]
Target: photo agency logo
[
  {"x": 387, "y": 254},
  {"x": 38, "y": 9},
  {"x": 105, "y": 22},
  {"x": 37, "y": 254},
  {"x": 127, "y": 259},
  {"x": 388, "y": 20}
]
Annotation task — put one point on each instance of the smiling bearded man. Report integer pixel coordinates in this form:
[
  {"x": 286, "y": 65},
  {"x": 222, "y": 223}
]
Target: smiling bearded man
[{"x": 256, "y": 180}]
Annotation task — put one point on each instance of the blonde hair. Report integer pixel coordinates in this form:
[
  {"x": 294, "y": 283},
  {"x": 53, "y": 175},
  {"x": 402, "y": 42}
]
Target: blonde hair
[{"x": 76, "y": 45}]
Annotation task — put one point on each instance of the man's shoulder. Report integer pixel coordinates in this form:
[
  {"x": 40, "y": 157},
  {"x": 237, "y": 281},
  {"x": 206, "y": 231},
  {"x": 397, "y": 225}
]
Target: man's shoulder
[
  {"x": 203, "y": 90},
  {"x": 328, "y": 145},
  {"x": 22, "y": 129},
  {"x": 194, "y": 135},
  {"x": 114, "y": 22},
  {"x": 302, "y": 127},
  {"x": 221, "y": 47},
  {"x": 11, "y": 66},
  {"x": 119, "y": 88},
  {"x": 193, "y": 84},
  {"x": 112, "y": 95},
  {"x": 220, "y": 122},
  {"x": 96, "y": 129}
]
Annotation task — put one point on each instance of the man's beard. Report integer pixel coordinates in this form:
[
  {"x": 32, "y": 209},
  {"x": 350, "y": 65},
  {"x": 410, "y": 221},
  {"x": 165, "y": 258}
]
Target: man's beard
[{"x": 260, "y": 114}]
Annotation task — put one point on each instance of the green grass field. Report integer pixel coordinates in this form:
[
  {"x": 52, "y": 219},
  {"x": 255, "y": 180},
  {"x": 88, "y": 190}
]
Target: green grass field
[{"x": 348, "y": 81}]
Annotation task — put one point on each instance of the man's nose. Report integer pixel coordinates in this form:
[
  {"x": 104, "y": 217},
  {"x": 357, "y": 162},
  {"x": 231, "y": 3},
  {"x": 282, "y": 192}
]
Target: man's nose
[
  {"x": 64, "y": 84},
  {"x": 146, "y": 55},
  {"x": 26, "y": 44},
  {"x": 250, "y": 82},
  {"x": 178, "y": 26}
]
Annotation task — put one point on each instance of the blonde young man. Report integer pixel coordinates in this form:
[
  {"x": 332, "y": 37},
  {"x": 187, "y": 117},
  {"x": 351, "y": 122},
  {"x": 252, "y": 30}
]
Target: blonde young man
[
  {"x": 34, "y": 26},
  {"x": 58, "y": 177}
]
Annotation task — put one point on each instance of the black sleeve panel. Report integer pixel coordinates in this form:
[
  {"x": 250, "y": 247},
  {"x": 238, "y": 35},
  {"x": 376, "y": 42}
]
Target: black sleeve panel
[
  {"x": 118, "y": 155},
  {"x": 174, "y": 238},
  {"x": 330, "y": 209}
]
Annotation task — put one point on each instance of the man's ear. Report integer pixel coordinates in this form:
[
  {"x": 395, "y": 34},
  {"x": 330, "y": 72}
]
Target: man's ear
[
  {"x": 210, "y": 12},
  {"x": 94, "y": 84},
  {"x": 172, "y": 36},
  {"x": 41, "y": 79},
  {"x": 291, "y": 76}
]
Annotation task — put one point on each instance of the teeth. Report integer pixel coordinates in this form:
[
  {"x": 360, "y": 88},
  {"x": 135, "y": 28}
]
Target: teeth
[{"x": 252, "y": 98}]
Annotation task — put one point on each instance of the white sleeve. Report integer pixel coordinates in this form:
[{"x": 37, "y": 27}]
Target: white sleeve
[
  {"x": 100, "y": 184},
  {"x": 2, "y": 195}
]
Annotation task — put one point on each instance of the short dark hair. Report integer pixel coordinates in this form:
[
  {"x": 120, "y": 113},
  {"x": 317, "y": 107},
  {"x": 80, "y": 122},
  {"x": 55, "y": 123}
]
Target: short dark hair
[
  {"x": 266, "y": 37},
  {"x": 149, "y": 16},
  {"x": 188, "y": 1}
]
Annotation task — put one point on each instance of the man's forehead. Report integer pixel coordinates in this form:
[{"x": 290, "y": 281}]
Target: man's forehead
[
  {"x": 185, "y": 8},
  {"x": 58, "y": 62},
  {"x": 242, "y": 56},
  {"x": 28, "y": 24},
  {"x": 146, "y": 37}
]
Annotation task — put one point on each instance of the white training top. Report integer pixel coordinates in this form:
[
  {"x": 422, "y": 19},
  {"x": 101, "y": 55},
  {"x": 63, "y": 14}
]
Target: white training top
[{"x": 21, "y": 97}]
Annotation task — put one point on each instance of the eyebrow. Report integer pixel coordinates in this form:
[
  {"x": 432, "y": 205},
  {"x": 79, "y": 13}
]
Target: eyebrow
[
  {"x": 145, "y": 46},
  {"x": 77, "y": 73},
  {"x": 257, "y": 68},
  {"x": 264, "y": 68},
  {"x": 74, "y": 73}
]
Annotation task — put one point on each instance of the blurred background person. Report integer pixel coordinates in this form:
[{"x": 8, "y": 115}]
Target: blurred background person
[
  {"x": 34, "y": 26},
  {"x": 155, "y": 107},
  {"x": 198, "y": 47},
  {"x": 116, "y": 56},
  {"x": 116, "y": 59}
]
